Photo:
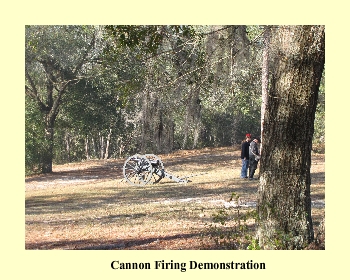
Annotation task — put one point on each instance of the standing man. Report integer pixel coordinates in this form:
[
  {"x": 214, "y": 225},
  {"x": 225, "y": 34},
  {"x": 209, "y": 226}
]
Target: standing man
[
  {"x": 254, "y": 157},
  {"x": 245, "y": 155}
]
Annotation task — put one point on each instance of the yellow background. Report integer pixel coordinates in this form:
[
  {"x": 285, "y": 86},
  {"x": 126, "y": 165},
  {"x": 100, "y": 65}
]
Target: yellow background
[{"x": 17, "y": 263}]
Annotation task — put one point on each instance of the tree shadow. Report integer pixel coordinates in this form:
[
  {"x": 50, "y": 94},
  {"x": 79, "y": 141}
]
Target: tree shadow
[{"x": 119, "y": 244}]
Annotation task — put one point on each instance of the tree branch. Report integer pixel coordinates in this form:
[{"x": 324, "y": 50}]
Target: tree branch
[{"x": 32, "y": 92}]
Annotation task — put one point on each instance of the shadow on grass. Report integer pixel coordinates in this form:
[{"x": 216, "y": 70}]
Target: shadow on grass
[
  {"x": 114, "y": 168},
  {"x": 148, "y": 243},
  {"x": 102, "y": 172},
  {"x": 317, "y": 177},
  {"x": 75, "y": 202}
]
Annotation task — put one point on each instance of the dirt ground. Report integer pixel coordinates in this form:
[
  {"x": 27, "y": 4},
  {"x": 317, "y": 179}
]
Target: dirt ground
[{"x": 90, "y": 206}]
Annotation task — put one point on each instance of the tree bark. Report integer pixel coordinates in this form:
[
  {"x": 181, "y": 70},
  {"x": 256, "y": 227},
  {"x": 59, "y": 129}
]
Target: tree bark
[
  {"x": 284, "y": 202},
  {"x": 265, "y": 78}
]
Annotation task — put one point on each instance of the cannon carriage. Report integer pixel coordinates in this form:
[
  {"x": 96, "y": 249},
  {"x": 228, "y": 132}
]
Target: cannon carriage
[{"x": 139, "y": 170}]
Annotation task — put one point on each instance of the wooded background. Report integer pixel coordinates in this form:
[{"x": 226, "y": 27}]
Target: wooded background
[{"x": 98, "y": 92}]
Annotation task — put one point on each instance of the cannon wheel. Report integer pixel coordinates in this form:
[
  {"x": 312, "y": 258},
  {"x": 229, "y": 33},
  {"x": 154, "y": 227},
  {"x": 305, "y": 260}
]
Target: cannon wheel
[
  {"x": 158, "y": 167},
  {"x": 137, "y": 170}
]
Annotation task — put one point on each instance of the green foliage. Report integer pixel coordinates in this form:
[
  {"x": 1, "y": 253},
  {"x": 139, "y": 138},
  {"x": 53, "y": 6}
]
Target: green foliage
[
  {"x": 193, "y": 106},
  {"x": 148, "y": 37},
  {"x": 254, "y": 31},
  {"x": 34, "y": 138},
  {"x": 220, "y": 217},
  {"x": 154, "y": 88},
  {"x": 254, "y": 245}
]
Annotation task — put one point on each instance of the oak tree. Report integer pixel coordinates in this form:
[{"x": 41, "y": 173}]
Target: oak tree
[
  {"x": 284, "y": 204},
  {"x": 55, "y": 58}
]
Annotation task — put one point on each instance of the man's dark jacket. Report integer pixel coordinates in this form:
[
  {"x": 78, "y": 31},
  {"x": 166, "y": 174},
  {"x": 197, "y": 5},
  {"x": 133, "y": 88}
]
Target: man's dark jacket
[{"x": 245, "y": 150}]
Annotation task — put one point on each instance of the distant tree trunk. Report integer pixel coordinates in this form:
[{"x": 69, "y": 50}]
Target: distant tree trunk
[
  {"x": 101, "y": 138},
  {"x": 185, "y": 131},
  {"x": 51, "y": 112},
  {"x": 159, "y": 131},
  {"x": 47, "y": 155},
  {"x": 171, "y": 136},
  {"x": 94, "y": 146},
  {"x": 196, "y": 118},
  {"x": 284, "y": 202},
  {"x": 87, "y": 154},
  {"x": 50, "y": 109},
  {"x": 147, "y": 115},
  {"x": 107, "y": 143},
  {"x": 68, "y": 140}
]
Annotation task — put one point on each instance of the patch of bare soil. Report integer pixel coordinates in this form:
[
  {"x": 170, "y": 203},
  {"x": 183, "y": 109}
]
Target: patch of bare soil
[{"x": 89, "y": 205}]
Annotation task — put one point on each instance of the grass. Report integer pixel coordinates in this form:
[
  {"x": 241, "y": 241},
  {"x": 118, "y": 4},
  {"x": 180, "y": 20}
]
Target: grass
[{"x": 89, "y": 206}]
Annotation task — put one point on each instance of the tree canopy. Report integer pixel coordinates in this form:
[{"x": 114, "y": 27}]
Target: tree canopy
[
  {"x": 110, "y": 91},
  {"x": 142, "y": 88}
]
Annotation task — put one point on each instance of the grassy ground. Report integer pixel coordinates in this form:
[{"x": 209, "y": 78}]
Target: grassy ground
[{"x": 89, "y": 206}]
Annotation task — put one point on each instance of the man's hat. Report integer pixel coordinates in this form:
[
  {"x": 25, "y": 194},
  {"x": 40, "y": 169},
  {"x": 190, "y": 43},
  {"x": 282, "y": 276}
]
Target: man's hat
[{"x": 248, "y": 135}]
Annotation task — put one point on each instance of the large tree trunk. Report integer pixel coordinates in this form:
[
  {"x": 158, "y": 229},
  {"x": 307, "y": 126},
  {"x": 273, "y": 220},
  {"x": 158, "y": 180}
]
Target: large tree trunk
[
  {"x": 284, "y": 203},
  {"x": 265, "y": 78}
]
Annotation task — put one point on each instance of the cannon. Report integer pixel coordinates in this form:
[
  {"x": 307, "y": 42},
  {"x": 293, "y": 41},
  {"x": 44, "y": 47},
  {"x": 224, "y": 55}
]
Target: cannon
[{"x": 145, "y": 169}]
